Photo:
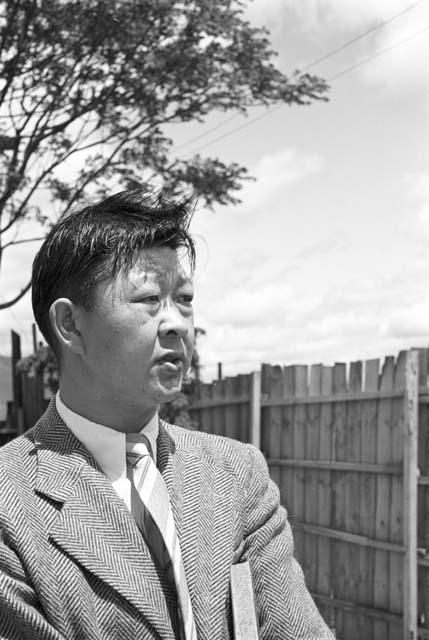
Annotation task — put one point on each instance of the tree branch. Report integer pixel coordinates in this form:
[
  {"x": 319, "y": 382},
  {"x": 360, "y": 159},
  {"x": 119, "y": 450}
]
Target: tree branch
[
  {"x": 12, "y": 243},
  {"x": 21, "y": 294}
]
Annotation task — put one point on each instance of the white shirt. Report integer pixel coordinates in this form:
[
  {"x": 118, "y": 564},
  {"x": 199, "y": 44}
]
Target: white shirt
[{"x": 107, "y": 446}]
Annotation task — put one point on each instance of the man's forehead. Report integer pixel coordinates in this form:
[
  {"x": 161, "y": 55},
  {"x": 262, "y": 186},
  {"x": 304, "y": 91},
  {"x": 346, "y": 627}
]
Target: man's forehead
[{"x": 159, "y": 263}]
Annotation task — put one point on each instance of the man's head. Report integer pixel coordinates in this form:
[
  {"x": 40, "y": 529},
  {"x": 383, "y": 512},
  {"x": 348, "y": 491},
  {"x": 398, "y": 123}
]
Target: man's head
[{"x": 113, "y": 300}]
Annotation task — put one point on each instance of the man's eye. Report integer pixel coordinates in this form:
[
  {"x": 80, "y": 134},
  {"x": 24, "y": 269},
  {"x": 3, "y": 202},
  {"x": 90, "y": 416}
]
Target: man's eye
[{"x": 186, "y": 298}]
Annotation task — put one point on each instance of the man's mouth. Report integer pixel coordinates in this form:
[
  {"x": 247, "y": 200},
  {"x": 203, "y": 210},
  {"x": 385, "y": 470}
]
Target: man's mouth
[{"x": 171, "y": 362}]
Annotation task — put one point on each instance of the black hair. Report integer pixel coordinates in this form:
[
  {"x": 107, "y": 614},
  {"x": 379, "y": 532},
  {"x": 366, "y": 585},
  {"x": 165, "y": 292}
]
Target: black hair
[{"x": 98, "y": 241}]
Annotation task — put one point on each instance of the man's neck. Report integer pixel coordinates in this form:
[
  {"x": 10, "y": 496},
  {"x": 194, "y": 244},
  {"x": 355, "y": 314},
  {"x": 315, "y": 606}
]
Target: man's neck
[{"x": 123, "y": 419}]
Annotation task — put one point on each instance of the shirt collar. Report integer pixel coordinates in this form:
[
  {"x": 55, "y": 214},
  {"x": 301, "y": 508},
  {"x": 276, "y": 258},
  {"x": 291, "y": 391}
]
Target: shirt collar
[{"x": 106, "y": 445}]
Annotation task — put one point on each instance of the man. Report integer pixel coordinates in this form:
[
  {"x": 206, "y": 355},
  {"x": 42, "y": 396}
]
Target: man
[{"x": 96, "y": 543}]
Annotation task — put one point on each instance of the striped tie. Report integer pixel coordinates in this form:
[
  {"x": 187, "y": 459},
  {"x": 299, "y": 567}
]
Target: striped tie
[{"x": 150, "y": 506}]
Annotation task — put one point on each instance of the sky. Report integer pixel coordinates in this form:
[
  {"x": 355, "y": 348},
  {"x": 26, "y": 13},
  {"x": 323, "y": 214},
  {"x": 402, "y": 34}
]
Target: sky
[{"x": 326, "y": 258}]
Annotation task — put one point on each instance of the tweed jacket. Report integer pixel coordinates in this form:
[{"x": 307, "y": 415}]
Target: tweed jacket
[{"x": 73, "y": 564}]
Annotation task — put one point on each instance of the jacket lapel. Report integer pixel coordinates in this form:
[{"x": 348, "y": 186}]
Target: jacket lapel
[
  {"x": 201, "y": 495},
  {"x": 93, "y": 525}
]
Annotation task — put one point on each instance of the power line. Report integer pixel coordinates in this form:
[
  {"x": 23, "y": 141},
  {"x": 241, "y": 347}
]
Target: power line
[
  {"x": 338, "y": 75},
  {"x": 308, "y": 66},
  {"x": 378, "y": 53},
  {"x": 362, "y": 35},
  {"x": 243, "y": 126},
  {"x": 203, "y": 135}
]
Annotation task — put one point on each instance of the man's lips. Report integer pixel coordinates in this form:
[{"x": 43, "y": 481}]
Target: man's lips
[
  {"x": 171, "y": 368},
  {"x": 174, "y": 358}
]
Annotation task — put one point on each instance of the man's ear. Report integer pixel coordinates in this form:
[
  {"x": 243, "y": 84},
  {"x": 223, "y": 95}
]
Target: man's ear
[{"x": 64, "y": 317}]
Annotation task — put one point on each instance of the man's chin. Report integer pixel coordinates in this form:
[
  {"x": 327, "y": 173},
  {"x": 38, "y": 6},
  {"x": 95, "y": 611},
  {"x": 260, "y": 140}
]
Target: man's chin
[{"x": 169, "y": 391}]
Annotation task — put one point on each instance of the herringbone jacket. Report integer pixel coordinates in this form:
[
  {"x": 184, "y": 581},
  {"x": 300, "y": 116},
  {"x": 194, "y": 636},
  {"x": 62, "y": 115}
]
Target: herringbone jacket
[{"x": 73, "y": 564}]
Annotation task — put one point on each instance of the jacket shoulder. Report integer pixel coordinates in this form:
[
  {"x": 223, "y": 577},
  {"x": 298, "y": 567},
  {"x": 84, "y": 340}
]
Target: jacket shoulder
[
  {"x": 17, "y": 467},
  {"x": 17, "y": 448},
  {"x": 234, "y": 456},
  {"x": 24, "y": 445}
]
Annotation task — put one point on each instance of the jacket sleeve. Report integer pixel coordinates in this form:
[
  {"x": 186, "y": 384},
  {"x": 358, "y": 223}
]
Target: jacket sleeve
[
  {"x": 21, "y": 616},
  {"x": 286, "y": 611}
]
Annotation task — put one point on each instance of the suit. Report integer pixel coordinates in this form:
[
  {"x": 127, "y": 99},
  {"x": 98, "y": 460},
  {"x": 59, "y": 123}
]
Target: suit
[{"x": 73, "y": 564}]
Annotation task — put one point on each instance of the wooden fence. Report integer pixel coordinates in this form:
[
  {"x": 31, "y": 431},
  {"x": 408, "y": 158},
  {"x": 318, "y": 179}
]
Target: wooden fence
[{"x": 348, "y": 447}]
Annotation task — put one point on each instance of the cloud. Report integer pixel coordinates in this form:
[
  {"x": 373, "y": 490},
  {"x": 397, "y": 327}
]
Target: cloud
[
  {"x": 424, "y": 217},
  {"x": 286, "y": 167},
  {"x": 254, "y": 305},
  {"x": 412, "y": 322},
  {"x": 268, "y": 13},
  {"x": 404, "y": 64},
  {"x": 343, "y": 14},
  {"x": 335, "y": 15},
  {"x": 275, "y": 171},
  {"x": 317, "y": 15},
  {"x": 307, "y": 316},
  {"x": 418, "y": 186},
  {"x": 334, "y": 22},
  {"x": 328, "y": 245}
]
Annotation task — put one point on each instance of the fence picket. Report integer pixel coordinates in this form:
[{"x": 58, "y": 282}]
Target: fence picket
[
  {"x": 411, "y": 405},
  {"x": 205, "y": 392},
  {"x": 34, "y": 403},
  {"x": 324, "y": 496},
  {"x": 299, "y": 433},
  {"x": 383, "y": 497},
  {"x": 276, "y": 384},
  {"x": 352, "y": 499},
  {"x": 231, "y": 411},
  {"x": 367, "y": 497},
  {"x": 396, "y": 502},
  {"x": 243, "y": 408},
  {"x": 218, "y": 412},
  {"x": 265, "y": 411},
  {"x": 339, "y": 548},
  {"x": 423, "y": 493},
  {"x": 312, "y": 476},
  {"x": 287, "y": 444}
]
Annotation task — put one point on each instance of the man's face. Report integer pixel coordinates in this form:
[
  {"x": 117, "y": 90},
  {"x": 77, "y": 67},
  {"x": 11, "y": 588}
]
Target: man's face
[{"x": 138, "y": 338}]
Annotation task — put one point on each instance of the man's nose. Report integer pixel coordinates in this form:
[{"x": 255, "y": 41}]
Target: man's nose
[{"x": 173, "y": 323}]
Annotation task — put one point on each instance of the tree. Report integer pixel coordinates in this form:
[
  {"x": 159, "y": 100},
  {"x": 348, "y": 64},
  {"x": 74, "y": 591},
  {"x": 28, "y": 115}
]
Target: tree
[{"x": 87, "y": 88}]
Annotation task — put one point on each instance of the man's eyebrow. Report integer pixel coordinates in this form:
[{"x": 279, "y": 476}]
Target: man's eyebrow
[
  {"x": 139, "y": 282},
  {"x": 183, "y": 279}
]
